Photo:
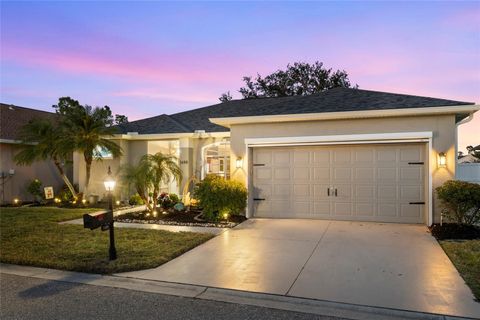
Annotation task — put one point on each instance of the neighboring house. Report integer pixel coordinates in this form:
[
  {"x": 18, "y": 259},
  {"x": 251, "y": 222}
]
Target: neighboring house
[
  {"x": 469, "y": 158},
  {"x": 14, "y": 178},
  {"x": 343, "y": 154}
]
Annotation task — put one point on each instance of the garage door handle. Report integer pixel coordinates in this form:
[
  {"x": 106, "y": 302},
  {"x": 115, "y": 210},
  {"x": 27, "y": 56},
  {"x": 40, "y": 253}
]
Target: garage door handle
[
  {"x": 417, "y": 203},
  {"x": 328, "y": 192},
  {"x": 415, "y": 163},
  {"x": 335, "y": 192},
  {"x": 258, "y": 199}
]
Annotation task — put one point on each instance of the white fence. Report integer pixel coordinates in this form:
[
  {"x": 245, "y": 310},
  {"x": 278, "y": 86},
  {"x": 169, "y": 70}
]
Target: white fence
[{"x": 468, "y": 172}]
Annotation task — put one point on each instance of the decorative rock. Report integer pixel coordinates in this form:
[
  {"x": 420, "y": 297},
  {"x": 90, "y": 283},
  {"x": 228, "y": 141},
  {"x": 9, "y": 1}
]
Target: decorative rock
[{"x": 179, "y": 206}]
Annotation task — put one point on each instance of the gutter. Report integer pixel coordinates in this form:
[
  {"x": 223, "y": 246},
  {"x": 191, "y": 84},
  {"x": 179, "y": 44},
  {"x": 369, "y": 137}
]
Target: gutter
[{"x": 229, "y": 121}]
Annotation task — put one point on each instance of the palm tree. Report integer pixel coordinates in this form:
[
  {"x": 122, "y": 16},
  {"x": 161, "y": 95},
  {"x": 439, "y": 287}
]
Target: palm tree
[
  {"x": 150, "y": 173},
  {"x": 43, "y": 140},
  {"x": 89, "y": 130}
]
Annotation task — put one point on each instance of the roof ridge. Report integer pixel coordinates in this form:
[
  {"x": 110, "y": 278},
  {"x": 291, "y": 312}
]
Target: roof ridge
[{"x": 180, "y": 124}]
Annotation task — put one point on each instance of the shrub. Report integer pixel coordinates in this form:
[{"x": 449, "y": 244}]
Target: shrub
[
  {"x": 65, "y": 194},
  {"x": 35, "y": 189},
  {"x": 168, "y": 200},
  {"x": 461, "y": 200},
  {"x": 135, "y": 200},
  {"x": 218, "y": 197}
]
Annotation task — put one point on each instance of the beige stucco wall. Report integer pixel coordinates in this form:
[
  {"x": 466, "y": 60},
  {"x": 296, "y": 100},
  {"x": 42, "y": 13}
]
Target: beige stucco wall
[
  {"x": 442, "y": 126},
  {"x": 15, "y": 186}
]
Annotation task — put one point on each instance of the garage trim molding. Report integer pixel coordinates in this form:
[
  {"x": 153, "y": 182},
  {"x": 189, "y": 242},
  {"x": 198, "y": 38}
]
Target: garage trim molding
[{"x": 368, "y": 138}]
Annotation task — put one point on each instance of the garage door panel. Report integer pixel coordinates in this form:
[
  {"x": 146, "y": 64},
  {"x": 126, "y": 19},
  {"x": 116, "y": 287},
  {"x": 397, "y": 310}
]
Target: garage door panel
[
  {"x": 342, "y": 209},
  {"x": 387, "y": 210},
  {"x": 342, "y": 174},
  {"x": 411, "y": 210},
  {"x": 262, "y": 173},
  {"x": 301, "y": 173},
  {"x": 321, "y": 191},
  {"x": 281, "y": 191},
  {"x": 322, "y": 208},
  {"x": 301, "y": 157},
  {"x": 387, "y": 174},
  {"x": 281, "y": 173},
  {"x": 364, "y": 209},
  {"x": 301, "y": 190},
  {"x": 321, "y": 174},
  {"x": 281, "y": 158},
  {"x": 373, "y": 182},
  {"x": 262, "y": 157},
  {"x": 365, "y": 192},
  {"x": 411, "y": 193}
]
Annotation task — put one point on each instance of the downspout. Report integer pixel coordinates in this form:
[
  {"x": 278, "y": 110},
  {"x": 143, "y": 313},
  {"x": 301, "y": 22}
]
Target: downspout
[{"x": 463, "y": 121}]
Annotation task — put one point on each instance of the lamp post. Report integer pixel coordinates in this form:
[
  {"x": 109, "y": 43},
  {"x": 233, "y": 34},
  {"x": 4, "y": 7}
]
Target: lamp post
[{"x": 109, "y": 186}]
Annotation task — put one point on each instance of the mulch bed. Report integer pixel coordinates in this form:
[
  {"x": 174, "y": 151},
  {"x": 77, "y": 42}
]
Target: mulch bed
[
  {"x": 455, "y": 231},
  {"x": 178, "y": 218}
]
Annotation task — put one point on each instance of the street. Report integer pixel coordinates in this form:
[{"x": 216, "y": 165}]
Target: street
[{"x": 31, "y": 298}]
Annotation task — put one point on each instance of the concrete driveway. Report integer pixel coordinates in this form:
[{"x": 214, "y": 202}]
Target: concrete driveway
[{"x": 385, "y": 265}]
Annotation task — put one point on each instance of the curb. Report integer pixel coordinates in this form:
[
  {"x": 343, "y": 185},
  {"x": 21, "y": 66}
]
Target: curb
[{"x": 311, "y": 306}]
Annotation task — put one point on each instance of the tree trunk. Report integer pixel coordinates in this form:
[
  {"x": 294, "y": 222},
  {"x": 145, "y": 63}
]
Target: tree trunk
[
  {"x": 88, "y": 167},
  {"x": 65, "y": 178}
]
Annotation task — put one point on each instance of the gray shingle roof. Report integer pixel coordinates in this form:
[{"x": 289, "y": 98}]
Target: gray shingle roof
[{"x": 334, "y": 100}]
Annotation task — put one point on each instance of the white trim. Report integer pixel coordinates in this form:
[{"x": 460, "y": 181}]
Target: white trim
[
  {"x": 337, "y": 139},
  {"x": 171, "y": 136},
  {"x": 393, "y": 137},
  {"x": 11, "y": 141},
  {"x": 413, "y": 111},
  {"x": 463, "y": 121}
]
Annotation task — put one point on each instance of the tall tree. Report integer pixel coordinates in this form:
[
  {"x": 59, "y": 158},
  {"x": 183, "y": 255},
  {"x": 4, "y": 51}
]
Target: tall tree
[
  {"x": 45, "y": 140},
  {"x": 225, "y": 97},
  {"x": 150, "y": 173},
  {"x": 299, "y": 78},
  {"x": 88, "y": 130}
]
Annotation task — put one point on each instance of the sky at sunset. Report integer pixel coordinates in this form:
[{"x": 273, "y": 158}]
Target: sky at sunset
[{"x": 148, "y": 58}]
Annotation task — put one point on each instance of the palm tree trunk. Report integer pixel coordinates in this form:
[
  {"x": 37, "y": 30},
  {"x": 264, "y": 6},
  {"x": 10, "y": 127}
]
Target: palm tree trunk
[
  {"x": 88, "y": 168},
  {"x": 64, "y": 177}
]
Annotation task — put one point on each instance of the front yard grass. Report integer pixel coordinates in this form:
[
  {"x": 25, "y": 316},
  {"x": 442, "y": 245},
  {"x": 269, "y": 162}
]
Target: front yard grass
[
  {"x": 465, "y": 255},
  {"x": 32, "y": 236}
]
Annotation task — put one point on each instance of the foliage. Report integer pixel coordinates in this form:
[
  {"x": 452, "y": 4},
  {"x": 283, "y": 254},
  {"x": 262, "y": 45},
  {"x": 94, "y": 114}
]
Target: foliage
[
  {"x": 35, "y": 189},
  {"x": 87, "y": 129},
  {"x": 218, "y": 196},
  {"x": 299, "y": 78},
  {"x": 461, "y": 200},
  {"x": 135, "y": 200},
  {"x": 168, "y": 200},
  {"x": 225, "y": 97},
  {"x": 50, "y": 143},
  {"x": 148, "y": 176},
  {"x": 32, "y": 236},
  {"x": 120, "y": 119},
  {"x": 65, "y": 194}
]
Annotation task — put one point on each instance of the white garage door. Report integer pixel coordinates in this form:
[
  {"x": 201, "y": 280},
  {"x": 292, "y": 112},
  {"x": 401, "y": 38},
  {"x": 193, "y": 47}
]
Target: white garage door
[{"x": 348, "y": 182}]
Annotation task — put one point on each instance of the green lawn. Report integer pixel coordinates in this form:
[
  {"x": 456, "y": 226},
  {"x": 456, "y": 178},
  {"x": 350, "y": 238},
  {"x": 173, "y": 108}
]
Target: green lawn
[
  {"x": 465, "y": 255},
  {"x": 32, "y": 236}
]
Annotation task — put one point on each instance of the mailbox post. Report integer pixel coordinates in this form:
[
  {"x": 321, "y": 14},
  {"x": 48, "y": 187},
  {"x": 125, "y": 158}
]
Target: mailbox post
[{"x": 109, "y": 186}]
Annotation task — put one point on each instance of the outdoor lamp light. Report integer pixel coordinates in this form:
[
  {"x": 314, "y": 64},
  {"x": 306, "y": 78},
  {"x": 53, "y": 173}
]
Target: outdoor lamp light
[
  {"x": 442, "y": 160},
  {"x": 109, "y": 182},
  {"x": 239, "y": 162}
]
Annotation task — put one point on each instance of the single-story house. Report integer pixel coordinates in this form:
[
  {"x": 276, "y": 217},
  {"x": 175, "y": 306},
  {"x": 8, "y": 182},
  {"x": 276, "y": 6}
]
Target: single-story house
[
  {"x": 343, "y": 154},
  {"x": 15, "y": 178}
]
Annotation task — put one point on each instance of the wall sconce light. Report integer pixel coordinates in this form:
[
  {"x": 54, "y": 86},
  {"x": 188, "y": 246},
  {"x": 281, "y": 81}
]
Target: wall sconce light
[
  {"x": 239, "y": 162},
  {"x": 442, "y": 160}
]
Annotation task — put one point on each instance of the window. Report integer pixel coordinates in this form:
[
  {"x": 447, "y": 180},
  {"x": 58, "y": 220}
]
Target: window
[
  {"x": 102, "y": 153},
  {"x": 216, "y": 159}
]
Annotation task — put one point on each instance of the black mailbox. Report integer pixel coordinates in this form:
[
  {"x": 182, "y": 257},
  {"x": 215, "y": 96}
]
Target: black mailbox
[{"x": 98, "y": 220}]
